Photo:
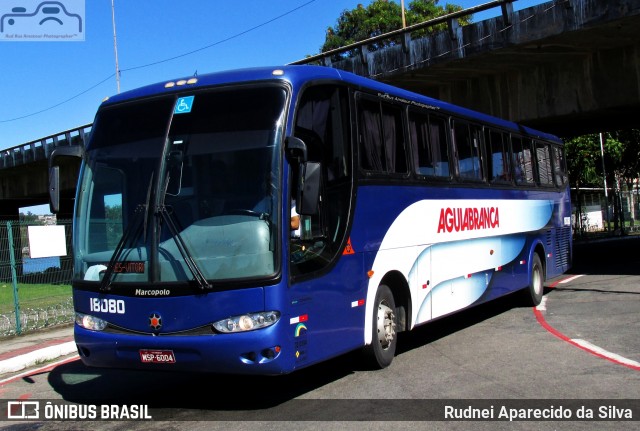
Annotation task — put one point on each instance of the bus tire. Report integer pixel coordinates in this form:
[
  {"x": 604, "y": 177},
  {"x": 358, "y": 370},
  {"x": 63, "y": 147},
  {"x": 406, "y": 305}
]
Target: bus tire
[
  {"x": 382, "y": 349},
  {"x": 533, "y": 295}
]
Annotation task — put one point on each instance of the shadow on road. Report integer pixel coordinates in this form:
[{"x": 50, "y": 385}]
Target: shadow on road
[{"x": 619, "y": 256}]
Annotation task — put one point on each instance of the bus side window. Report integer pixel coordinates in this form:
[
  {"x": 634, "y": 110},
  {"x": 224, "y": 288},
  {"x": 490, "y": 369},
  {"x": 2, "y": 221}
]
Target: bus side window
[
  {"x": 543, "y": 161},
  {"x": 559, "y": 166},
  {"x": 429, "y": 144},
  {"x": 467, "y": 141},
  {"x": 498, "y": 160},
  {"x": 522, "y": 160},
  {"x": 381, "y": 136}
]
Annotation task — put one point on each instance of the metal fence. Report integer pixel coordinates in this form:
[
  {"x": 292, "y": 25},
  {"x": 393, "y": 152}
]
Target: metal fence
[
  {"x": 35, "y": 292},
  {"x": 617, "y": 212}
]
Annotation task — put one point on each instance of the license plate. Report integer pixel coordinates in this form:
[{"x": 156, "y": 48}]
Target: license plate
[{"x": 157, "y": 357}]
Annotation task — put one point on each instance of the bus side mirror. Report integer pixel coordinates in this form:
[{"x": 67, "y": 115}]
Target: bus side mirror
[
  {"x": 54, "y": 173},
  {"x": 309, "y": 177},
  {"x": 54, "y": 189},
  {"x": 296, "y": 148},
  {"x": 309, "y": 194}
]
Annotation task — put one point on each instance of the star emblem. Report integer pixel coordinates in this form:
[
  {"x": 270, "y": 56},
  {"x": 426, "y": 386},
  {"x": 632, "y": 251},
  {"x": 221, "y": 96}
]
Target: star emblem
[{"x": 155, "y": 321}]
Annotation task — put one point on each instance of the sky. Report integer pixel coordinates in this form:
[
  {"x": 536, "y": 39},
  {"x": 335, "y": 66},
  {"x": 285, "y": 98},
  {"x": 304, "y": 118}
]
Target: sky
[{"x": 51, "y": 86}]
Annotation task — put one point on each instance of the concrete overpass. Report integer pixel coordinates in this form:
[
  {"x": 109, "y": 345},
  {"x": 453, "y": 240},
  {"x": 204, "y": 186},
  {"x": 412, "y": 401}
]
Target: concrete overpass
[
  {"x": 568, "y": 67},
  {"x": 565, "y": 66},
  {"x": 24, "y": 177}
]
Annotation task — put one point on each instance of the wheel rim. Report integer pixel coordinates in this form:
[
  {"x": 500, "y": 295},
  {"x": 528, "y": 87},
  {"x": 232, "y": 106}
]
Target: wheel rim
[
  {"x": 536, "y": 280},
  {"x": 386, "y": 325}
]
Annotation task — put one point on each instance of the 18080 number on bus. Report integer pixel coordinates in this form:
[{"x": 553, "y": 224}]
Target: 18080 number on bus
[{"x": 104, "y": 305}]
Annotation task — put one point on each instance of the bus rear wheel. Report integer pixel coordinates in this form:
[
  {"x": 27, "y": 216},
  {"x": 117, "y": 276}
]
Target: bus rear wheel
[
  {"x": 533, "y": 295},
  {"x": 382, "y": 349}
]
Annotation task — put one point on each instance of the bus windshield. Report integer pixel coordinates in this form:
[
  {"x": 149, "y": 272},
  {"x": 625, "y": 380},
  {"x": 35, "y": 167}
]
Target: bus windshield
[{"x": 182, "y": 189}]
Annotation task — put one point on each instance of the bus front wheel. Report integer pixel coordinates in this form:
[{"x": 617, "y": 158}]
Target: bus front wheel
[{"x": 383, "y": 345}]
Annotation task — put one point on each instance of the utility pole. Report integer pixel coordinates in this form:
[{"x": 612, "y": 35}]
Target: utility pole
[
  {"x": 604, "y": 176},
  {"x": 115, "y": 45},
  {"x": 404, "y": 21}
]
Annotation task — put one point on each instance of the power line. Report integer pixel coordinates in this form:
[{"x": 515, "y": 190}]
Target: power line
[
  {"x": 162, "y": 61},
  {"x": 60, "y": 103},
  {"x": 242, "y": 33}
]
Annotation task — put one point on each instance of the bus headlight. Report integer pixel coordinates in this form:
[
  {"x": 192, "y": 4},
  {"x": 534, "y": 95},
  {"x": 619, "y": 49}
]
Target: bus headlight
[
  {"x": 247, "y": 322},
  {"x": 90, "y": 322}
]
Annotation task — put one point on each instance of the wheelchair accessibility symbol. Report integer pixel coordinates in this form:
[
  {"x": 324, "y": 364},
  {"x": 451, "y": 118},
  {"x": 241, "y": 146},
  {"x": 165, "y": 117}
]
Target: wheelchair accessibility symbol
[{"x": 183, "y": 105}]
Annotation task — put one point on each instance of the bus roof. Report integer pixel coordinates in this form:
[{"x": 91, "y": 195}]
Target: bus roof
[{"x": 298, "y": 75}]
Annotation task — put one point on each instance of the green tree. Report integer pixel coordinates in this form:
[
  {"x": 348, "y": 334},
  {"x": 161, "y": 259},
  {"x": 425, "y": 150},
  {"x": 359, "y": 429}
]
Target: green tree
[
  {"x": 628, "y": 167},
  {"x": 613, "y": 163},
  {"x": 30, "y": 218},
  {"x": 621, "y": 164},
  {"x": 383, "y": 16},
  {"x": 582, "y": 154}
]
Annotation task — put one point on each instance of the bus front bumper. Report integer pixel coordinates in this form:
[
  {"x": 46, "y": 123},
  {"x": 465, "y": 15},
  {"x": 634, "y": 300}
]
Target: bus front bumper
[{"x": 254, "y": 352}]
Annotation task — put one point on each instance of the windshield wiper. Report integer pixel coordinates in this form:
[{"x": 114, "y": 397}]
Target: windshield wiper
[
  {"x": 183, "y": 249},
  {"x": 172, "y": 159},
  {"x": 105, "y": 283}
]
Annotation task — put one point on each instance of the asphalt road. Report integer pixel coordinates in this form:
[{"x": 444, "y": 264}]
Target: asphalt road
[{"x": 580, "y": 349}]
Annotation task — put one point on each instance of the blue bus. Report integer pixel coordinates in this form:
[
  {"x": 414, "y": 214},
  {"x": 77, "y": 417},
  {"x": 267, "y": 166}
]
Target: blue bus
[{"x": 406, "y": 209}]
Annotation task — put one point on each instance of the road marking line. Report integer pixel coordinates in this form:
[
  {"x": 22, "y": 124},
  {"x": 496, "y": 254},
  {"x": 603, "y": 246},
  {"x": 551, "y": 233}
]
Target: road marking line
[
  {"x": 543, "y": 304},
  {"x": 566, "y": 280},
  {"x": 614, "y": 356},
  {"x": 587, "y": 347},
  {"x": 582, "y": 344}
]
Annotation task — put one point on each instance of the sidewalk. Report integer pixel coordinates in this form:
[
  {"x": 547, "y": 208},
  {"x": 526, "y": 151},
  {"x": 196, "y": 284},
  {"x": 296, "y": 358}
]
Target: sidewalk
[{"x": 42, "y": 345}]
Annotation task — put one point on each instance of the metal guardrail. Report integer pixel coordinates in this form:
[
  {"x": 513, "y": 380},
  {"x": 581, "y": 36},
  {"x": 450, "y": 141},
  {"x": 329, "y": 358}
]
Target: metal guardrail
[
  {"x": 404, "y": 34},
  {"x": 41, "y": 149}
]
